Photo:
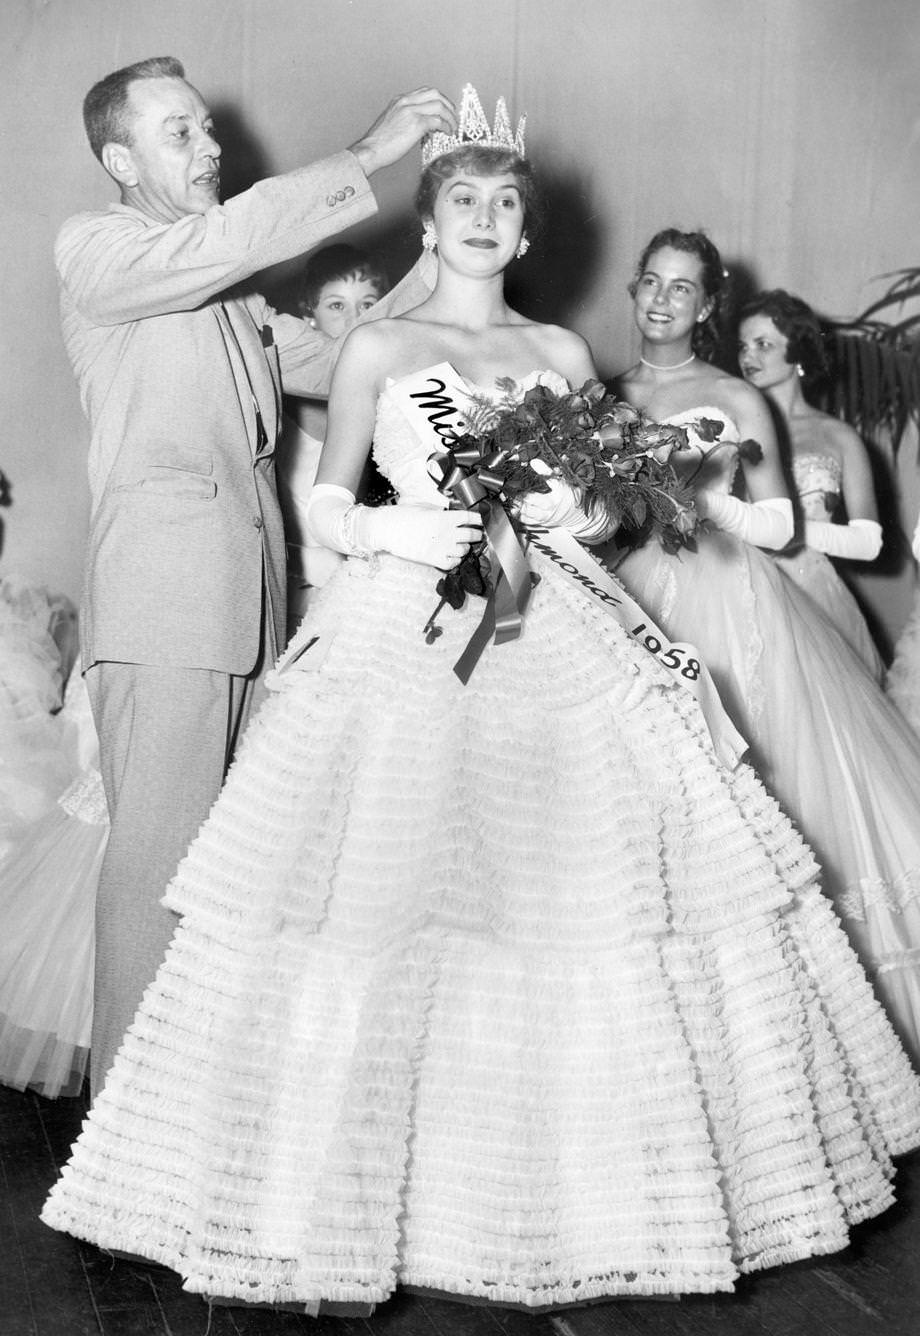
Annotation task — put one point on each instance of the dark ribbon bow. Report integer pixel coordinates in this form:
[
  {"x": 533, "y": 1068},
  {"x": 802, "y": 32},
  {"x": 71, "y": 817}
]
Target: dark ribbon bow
[{"x": 470, "y": 482}]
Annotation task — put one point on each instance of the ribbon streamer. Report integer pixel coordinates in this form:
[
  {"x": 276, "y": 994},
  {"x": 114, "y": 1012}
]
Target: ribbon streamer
[{"x": 470, "y": 482}]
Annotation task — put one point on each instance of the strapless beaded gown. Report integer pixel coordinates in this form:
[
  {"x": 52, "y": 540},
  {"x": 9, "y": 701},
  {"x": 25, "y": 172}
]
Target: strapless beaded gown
[
  {"x": 506, "y": 990},
  {"x": 818, "y": 478},
  {"x": 824, "y": 738}
]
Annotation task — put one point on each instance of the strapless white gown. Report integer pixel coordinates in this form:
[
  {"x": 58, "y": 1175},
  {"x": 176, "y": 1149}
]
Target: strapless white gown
[
  {"x": 818, "y": 478},
  {"x": 823, "y": 737},
  {"x": 507, "y": 990}
]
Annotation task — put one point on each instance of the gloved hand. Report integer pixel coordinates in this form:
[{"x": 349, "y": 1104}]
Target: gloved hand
[
  {"x": 425, "y": 534},
  {"x": 318, "y": 564},
  {"x": 861, "y": 540},
  {"x": 766, "y": 523},
  {"x": 560, "y": 508}
]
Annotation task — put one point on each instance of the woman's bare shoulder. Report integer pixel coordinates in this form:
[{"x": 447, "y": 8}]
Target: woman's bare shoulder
[
  {"x": 841, "y": 435},
  {"x": 736, "y": 393},
  {"x": 564, "y": 351}
]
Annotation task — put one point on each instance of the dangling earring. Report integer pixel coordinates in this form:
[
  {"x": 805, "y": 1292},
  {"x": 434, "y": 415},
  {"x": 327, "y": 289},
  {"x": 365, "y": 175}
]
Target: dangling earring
[
  {"x": 523, "y": 248},
  {"x": 799, "y": 369},
  {"x": 429, "y": 236}
]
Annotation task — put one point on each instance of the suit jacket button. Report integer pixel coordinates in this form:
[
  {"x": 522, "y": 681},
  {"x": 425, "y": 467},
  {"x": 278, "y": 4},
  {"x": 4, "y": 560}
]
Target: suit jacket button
[
  {"x": 330, "y": 200},
  {"x": 349, "y": 191},
  {"x": 257, "y": 521}
]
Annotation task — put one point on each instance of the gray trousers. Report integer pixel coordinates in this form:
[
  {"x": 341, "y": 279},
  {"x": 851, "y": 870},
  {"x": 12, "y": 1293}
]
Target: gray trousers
[{"x": 166, "y": 738}]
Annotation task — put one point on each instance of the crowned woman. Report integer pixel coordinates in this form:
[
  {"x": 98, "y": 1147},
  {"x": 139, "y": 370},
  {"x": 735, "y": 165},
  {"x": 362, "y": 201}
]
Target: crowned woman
[{"x": 500, "y": 983}]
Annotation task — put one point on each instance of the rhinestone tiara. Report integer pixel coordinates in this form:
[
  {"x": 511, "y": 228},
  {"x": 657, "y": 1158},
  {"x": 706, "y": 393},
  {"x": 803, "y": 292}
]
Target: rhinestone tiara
[{"x": 473, "y": 128}]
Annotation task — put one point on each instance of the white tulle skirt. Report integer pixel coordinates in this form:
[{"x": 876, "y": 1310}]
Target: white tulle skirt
[
  {"x": 507, "y": 990},
  {"x": 827, "y": 743},
  {"x": 48, "y": 883},
  {"x": 53, "y": 829},
  {"x": 814, "y": 573},
  {"x": 903, "y": 680}
]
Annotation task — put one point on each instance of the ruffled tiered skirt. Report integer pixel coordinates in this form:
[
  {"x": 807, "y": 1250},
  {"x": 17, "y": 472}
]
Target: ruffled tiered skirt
[
  {"x": 507, "y": 990},
  {"x": 825, "y": 740}
]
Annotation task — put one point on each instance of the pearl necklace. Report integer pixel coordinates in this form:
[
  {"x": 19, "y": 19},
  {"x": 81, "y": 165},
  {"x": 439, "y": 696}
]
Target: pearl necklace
[{"x": 676, "y": 367}]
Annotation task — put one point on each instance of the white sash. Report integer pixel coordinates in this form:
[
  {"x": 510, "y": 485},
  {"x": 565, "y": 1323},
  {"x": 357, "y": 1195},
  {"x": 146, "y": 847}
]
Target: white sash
[
  {"x": 680, "y": 658},
  {"x": 432, "y": 403}
]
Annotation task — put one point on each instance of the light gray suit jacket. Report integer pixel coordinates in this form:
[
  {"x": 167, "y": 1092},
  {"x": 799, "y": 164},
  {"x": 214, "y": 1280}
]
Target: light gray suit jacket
[{"x": 176, "y": 365}]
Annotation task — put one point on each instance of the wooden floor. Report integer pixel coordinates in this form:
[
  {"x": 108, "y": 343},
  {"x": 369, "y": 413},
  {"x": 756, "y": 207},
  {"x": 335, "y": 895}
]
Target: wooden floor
[{"x": 52, "y": 1286}]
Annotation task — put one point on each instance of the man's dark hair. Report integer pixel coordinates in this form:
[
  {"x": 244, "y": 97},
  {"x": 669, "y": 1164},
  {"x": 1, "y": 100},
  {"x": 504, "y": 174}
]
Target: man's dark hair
[{"x": 105, "y": 107}]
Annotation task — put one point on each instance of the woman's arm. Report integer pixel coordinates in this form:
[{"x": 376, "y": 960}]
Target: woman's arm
[
  {"x": 858, "y": 487},
  {"x": 425, "y": 534},
  {"x": 860, "y": 539},
  {"x": 356, "y": 384},
  {"x": 763, "y": 477},
  {"x": 766, "y": 520}
]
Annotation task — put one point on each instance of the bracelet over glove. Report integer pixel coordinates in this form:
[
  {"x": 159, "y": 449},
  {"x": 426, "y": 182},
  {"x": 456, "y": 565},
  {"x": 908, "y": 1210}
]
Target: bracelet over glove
[{"x": 425, "y": 534}]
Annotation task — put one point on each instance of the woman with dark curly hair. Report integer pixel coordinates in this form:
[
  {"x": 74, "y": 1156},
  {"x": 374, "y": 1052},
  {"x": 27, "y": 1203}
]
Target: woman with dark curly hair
[
  {"x": 826, "y": 742},
  {"x": 780, "y": 351}
]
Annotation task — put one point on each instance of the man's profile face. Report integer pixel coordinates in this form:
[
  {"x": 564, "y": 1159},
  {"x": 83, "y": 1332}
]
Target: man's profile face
[{"x": 173, "y": 155}]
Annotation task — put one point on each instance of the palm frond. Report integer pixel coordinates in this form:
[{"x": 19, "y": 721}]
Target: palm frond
[{"x": 875, "y": 383}]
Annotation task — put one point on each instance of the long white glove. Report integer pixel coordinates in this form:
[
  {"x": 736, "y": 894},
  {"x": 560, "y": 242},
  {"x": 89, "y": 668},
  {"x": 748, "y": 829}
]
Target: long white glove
[
  {"x": 861, "y": 540},
  {"x": 425, "y": 534},
  {"x": 767, "y": 523},
  {"x": 560, "y": 508}
]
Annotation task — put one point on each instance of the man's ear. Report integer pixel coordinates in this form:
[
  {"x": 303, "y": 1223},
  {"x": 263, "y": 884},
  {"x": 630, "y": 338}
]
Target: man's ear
[{"x": 119, "y": 163}]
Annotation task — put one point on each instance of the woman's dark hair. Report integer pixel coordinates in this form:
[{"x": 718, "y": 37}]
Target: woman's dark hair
[
  {"x": 798, "y": 324},
  {"x": 481, "y": 160},
  {"x": 707, "y": 334},
  {"x": 105, "y": 107},
  {"x": 335, "y": 262}
]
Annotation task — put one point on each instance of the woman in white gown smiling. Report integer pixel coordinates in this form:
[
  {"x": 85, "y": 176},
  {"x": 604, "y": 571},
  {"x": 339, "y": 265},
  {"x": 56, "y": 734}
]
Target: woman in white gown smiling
[
  {"x": 823, "y": 737},
  {"x": 508, "y": 989}
]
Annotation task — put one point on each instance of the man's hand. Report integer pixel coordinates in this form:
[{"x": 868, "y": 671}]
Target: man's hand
[{"x": 402, "y": 125}]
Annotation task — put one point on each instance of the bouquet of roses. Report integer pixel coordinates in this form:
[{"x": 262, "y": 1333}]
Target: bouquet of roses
[{"x": 608, "y": 453}]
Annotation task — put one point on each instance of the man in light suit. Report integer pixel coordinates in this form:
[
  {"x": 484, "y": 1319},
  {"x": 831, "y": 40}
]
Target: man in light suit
[{"x": 180, "y": 374}]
